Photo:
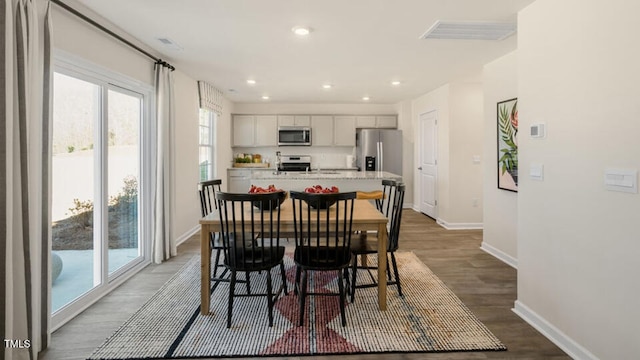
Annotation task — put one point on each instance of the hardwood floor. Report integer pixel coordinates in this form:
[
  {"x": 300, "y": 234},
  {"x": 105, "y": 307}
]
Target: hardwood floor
[{"x": 486, "y": 285}]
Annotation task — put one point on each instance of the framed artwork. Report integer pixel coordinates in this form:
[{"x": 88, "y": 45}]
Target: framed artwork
[{"x": 508, "y": 145}]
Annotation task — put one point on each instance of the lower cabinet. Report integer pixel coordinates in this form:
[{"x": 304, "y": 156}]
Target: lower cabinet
[{"x": 239, "y": 180}]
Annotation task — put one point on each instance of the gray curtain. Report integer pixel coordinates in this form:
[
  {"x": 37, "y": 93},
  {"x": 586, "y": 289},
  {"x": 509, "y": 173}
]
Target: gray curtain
[
  {"x": 164, "y": 244},
  {"x": 25, "y": 120}
]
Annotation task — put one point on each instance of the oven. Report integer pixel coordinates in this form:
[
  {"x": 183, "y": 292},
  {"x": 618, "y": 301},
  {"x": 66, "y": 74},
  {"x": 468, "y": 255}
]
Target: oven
[
  {"x": 294, "y": 163},
  {"x": 294, "y": 135}
]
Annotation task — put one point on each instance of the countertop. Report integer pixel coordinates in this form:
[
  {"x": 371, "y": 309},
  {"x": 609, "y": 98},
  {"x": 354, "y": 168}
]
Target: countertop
[{"x": 325, "y": 174}]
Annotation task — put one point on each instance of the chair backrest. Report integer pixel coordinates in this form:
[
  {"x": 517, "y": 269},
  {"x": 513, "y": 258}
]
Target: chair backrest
[
  {"x": 388, "y": 191},
  {"x": 207, "y": 190},
  {"x": 328, "y": 226},
  {"x": 396, "y": 217},
  {"x": 250, "y": 234}
]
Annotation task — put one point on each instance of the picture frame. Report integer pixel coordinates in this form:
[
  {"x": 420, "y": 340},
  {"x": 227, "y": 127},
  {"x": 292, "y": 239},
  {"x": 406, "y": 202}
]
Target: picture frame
[{"x": 507, "y": 136}]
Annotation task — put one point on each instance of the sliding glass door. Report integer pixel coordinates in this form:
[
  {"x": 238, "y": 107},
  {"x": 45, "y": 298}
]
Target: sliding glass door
[{"x": 98, "y": 224}]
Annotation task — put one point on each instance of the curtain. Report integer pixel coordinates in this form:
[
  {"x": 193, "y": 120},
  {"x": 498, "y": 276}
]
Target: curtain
[
  {"x": 25, "y": 120},
  {"x": 210, "y": 97},
  {"x": 164, "y": 245}
]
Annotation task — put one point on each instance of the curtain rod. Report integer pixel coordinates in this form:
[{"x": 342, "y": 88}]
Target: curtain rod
[{"x": 120, "y": 38}]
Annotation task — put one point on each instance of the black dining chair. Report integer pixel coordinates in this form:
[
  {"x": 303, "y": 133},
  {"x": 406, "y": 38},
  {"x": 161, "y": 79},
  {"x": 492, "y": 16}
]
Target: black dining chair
[
  {"x": 322, "y": 229},
  {"x": 251, "y": 242},
  {"x": 388, "y": 190},
  {"x": 208, "y": 204},
  {"x": 368, "y": 245}
]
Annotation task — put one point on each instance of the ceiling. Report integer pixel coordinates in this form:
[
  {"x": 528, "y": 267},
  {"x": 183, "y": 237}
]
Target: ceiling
[{"x": 358, "y": 46}]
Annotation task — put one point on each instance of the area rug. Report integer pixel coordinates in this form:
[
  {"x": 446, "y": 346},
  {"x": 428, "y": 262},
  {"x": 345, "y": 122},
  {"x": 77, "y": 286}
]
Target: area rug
[{"x": 428, "y": 318}]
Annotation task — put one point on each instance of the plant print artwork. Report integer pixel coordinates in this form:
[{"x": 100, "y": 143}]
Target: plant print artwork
[{"x": 508, "y": 145}]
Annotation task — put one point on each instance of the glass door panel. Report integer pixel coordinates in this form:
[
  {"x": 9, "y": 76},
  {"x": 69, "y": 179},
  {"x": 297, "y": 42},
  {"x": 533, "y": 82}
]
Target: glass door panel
[
  {"x": 123, "y": 152},
  {"x": 76, "y": 110}
]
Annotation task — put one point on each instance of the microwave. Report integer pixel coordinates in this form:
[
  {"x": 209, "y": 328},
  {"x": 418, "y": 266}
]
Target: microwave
[{"x": 294, "y": 135}]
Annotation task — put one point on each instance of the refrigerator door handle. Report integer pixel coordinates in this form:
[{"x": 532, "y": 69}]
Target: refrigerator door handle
[
  {"x": 381, "y": 157},
  {"x": 378, "y": 154}
]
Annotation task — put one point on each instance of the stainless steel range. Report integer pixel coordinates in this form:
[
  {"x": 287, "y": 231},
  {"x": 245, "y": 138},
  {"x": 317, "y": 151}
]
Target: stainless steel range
[{"x": 294, "y": 163}]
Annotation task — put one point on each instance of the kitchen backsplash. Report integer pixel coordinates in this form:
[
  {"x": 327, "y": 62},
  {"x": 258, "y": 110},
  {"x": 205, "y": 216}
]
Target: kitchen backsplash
[{"x": 326, "y": 157}]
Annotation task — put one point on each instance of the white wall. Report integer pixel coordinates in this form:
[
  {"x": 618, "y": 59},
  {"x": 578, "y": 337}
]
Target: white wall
[
  {"x": 500, "y": 207},
  {"x": 578, "y": 243},
  {"x": 459, "y": 110}
]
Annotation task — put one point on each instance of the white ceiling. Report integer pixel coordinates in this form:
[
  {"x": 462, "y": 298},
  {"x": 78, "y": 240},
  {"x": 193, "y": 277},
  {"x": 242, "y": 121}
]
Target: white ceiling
[{"x": 359, "y": 46}]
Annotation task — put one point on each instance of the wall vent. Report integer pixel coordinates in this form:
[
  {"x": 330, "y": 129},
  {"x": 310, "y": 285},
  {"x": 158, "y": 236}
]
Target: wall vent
[
  {"x": 169, "y": 43},
  {"x": 459, "y": 30}
]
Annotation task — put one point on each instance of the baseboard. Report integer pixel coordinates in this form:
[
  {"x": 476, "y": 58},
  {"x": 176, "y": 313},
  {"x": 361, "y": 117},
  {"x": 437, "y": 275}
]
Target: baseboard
[
  {"x": 459, "y": 226},
  {"x": 572, "y": 348},
  {"x": 408, "y": 206},
  {"x": 500, "y": 255},
  {"x": 184, "y": 237}
]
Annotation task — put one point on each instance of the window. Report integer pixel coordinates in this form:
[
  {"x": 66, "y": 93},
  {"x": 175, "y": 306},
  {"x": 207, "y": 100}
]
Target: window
[
  {"x": 99, "y": 231},
  {"x": 206, "y": 144}
]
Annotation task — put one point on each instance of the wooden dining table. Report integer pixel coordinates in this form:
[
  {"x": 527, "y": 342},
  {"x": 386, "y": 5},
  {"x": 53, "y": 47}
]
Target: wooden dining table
[{"x": 365, "y": 218}]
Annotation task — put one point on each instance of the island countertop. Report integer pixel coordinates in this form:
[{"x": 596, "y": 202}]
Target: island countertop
[
  {"x": 324, "y": 175},
  {"x": 344, "y": 180}
]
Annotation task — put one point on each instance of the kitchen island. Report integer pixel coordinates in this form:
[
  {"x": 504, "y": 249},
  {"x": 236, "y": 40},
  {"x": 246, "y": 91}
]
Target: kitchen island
[{"x": 344, "y": 180}]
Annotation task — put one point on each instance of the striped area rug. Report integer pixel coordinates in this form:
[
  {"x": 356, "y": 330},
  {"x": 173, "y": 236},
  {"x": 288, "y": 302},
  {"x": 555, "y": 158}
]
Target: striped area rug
[{"x": 428, "y": 318}]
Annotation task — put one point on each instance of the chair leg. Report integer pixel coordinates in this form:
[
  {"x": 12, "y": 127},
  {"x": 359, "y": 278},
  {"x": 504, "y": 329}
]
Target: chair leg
[
  {"x": 302, "y": 296},
  {"x": 270, "y": 298},
  {"x": 354, "y": 270},
  {"x": 217, "y": 263},
  {"x": 395, "y": 271},
  {"x": 246, "y": 276},
  {"x": 232, "y": 288},
  {"x": 296, "y": 286},
  {"x": 388, "y": 270},
  {"x": 284, "y": 278},
  {"x": 342, "y": 297}
]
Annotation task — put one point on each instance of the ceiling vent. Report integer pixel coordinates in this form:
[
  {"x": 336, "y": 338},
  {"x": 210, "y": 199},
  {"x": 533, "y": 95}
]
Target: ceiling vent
[
  {"x": 458, "y": 30},
  {"x": 170, "y": 43}
]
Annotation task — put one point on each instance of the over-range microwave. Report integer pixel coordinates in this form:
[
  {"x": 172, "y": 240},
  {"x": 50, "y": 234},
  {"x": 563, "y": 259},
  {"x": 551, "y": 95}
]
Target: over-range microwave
[{"x": 294, "y": 135}]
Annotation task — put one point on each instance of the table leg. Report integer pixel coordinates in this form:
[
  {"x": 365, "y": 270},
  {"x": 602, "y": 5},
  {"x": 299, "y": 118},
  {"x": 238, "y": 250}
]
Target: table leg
[
  {"x": 382, "y": 266},
  {"x": 205, "y": 270}
]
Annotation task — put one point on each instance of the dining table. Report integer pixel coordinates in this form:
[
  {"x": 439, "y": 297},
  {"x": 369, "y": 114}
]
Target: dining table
[{"x": 365, "y": 218}]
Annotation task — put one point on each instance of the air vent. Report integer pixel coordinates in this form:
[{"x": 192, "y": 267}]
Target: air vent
[
  {"x": 170, "y": 43},
  {"x": 453, "y": 30}
]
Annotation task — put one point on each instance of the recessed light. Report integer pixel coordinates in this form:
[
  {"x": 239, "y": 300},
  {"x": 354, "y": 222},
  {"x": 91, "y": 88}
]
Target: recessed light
[
  {"x": 395, "y": 83},
  {"x": 301, "y": 30},
  {"x": 327, "y": 86},
  {"x": 251, "y": 82},
  {"x": 265, "y": 97},
  {"x": 365, "y": 98}
]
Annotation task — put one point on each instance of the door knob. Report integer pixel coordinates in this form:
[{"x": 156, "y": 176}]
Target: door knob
[{"x": 420, "y": 168}]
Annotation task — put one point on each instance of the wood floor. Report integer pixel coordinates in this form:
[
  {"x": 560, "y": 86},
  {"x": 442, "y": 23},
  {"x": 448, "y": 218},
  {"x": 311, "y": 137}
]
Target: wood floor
[{"x": 486, "y": 285}]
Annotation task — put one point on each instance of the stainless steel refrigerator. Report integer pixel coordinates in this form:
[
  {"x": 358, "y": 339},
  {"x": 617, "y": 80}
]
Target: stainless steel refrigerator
[{"x": 379, "y": 150}]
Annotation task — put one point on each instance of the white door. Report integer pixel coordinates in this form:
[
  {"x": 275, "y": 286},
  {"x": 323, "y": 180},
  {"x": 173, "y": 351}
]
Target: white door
[{"x": 428, "y": 163}]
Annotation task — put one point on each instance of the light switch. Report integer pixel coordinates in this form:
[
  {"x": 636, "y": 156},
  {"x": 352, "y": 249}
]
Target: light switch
[
  {"x": 536, "y": 171},
  {"x": 624, "y": 180},
  {"x": 476, "y": 159}
]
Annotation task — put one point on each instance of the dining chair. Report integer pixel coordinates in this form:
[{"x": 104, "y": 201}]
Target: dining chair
[
  {"x": 251, "y": 242},
  {"x": 364, "y": 246},
  {"x": 383, "y": 204},
  {"x": 208, "y": 204},
  {"x": 322, "y": 229}
]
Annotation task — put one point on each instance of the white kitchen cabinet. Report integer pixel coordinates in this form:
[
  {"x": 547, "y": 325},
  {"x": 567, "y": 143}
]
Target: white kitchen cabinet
[
  {"x": 322, "y": 130},
  {"x": 377, "y": 122},
  {"x": 238, "y": 180},
  {"x": 266, "y": 130},
  {"x": 344, "y": 130},
  {"x": 365, "y": 122},
  {"x": 243, "y": 130},
  {"x": 387, "y": 121},
  {"x": 294, "y": 120},
  {"x": 255, "y": 130}
]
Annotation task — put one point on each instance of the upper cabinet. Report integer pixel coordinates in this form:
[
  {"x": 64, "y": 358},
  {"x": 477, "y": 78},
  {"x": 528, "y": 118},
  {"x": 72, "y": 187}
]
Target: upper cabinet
[
  {"x": 327, "y": 130},
  {"x": 376, "y": 121},
  {"x": 294, "y": 120},
  {"x": 255, "y": 130},
  {"x": 344, "y": 130}
]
